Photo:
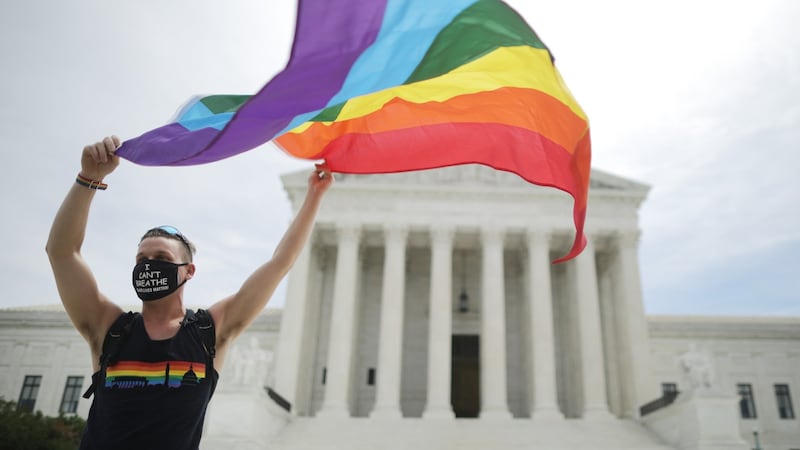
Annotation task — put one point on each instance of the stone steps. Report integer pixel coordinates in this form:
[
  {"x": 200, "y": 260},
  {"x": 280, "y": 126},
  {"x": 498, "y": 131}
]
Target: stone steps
[{"x": 464, "y": 434}]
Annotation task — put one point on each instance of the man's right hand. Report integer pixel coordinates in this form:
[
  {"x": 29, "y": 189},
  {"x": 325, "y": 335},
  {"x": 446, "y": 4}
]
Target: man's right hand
[{"x": 100, "y": 159}]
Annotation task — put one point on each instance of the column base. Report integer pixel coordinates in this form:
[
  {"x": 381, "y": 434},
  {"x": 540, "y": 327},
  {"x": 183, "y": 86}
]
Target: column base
[
  {"x": 333, "y": 412},
  {"x": 547, "y": 414},
  {"x": 386, "y": 413},
  {"x": 438, "y": 413},
  {"x": 597, "y": 413},
  {"x": 494, "y": 414}
]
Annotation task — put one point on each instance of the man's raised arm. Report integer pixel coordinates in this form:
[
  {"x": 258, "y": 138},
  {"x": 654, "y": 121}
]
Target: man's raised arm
[
  {"x": 233, "y": 314},
  {"x": 90, "y": 311}
]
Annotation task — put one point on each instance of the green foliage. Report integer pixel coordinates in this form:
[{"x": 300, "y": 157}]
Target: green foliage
[{"x": 33, "y": 431}]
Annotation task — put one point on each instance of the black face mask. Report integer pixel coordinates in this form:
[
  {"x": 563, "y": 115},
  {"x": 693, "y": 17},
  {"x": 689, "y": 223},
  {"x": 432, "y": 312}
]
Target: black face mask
[{"x": 154, "y": 279}]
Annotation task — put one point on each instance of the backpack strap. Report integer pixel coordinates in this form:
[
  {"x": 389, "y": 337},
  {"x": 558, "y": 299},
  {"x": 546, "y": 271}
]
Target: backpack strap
[
  {"x": 204, "y": 325},
  {"x": 112, "y": 344}
]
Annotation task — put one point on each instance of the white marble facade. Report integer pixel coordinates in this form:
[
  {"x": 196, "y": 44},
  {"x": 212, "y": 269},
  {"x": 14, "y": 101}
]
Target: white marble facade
[
  {"x": 430, "y": 296},
  {"x": 374, "y": 303}
]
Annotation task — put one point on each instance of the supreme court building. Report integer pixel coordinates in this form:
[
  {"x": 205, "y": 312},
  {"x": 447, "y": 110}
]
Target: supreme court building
[
  {"x": 425, "y": 313},
  {"x": 432, "y": 294}
]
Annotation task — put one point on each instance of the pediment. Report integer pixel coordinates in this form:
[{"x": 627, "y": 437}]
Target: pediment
[
  {"x": 470, "y": 175},
  {"x": 606, "y": 181}
]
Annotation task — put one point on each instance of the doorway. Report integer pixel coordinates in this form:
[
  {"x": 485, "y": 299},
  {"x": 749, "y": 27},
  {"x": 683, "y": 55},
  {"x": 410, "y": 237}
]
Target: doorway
[{"x": 465, "y": 383}]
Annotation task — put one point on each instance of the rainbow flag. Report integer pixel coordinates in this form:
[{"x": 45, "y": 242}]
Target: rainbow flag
[
  {"x": 397, "y": 85},
  {"x": 138, "y": 374}
]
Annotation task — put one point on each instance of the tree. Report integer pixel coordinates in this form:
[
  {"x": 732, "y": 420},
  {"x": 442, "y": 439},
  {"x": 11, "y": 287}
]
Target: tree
[{"x": 34, "y": 431}]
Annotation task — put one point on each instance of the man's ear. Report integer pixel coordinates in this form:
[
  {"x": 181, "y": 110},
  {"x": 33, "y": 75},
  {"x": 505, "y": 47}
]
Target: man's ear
[{"x": 190, "y": 269}]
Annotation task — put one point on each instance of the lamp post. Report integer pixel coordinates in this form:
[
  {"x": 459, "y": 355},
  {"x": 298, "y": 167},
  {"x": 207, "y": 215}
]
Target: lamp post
[
  {"x": 463, "y": 299},
  {"x": 755, "y": 440}
]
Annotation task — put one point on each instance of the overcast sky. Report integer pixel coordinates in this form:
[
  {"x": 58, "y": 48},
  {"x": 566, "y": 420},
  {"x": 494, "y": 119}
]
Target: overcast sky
[{"x": 698, "y": 99}]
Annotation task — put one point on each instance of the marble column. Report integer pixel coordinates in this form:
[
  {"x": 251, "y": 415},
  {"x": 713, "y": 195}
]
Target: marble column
[
  {"x": 641, "y": 386},
  {"x": 494, "y": 401},
  {"x": 440, "y": 325},
  {"x": 343, "y": 322},
  {"x": 290, "y": 352},
  {"x": 593, "y": 376},
  {"x": 390, "y": 344},
  {"x": 543, "y": 389}
]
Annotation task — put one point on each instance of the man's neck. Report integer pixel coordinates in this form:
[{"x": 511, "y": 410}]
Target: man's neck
[{"x": 162, "y": 317}]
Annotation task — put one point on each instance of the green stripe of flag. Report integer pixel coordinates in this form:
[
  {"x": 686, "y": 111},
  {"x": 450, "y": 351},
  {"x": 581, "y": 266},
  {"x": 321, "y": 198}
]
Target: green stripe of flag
[
  {"x": 479, "y": 29},
  {"x": 219, "y": 104}
]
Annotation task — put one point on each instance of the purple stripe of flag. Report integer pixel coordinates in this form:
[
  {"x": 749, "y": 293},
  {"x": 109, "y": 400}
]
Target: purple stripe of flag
[{"x": 330, "y": 36}]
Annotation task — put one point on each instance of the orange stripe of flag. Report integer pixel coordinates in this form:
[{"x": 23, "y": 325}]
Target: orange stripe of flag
[{"x": 521, "y": 107}]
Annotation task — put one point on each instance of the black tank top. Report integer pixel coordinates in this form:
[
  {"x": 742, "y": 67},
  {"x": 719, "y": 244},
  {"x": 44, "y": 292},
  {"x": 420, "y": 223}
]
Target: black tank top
[{"x": 154, "y": 396}]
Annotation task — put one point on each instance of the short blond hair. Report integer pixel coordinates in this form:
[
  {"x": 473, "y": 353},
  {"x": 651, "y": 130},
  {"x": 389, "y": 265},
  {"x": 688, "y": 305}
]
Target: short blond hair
[{"x": 170, "y": 232}]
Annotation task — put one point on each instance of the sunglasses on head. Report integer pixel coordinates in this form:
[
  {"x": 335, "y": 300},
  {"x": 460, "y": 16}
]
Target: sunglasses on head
[{"x": 172, "y": 231}]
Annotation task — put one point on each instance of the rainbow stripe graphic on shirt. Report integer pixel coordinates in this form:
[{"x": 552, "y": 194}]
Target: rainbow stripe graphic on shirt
[{"x": 138, "y": 374}]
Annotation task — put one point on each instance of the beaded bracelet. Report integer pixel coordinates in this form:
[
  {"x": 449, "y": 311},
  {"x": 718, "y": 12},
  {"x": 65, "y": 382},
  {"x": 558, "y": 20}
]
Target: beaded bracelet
[{"x": 91, "y": 184}]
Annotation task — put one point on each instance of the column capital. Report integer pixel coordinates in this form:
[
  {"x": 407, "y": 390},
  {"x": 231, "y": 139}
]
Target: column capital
[
  {"x": 590, "y": 240},
  {"x": 442, "y": 233},
  {"x": 628, "y": 238},
  {"x": 348, "y": 231},
  {"x": 538, "y": 236},
  {"x": 493, "y": 233},
  {"x": 393, "y": 232}
]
